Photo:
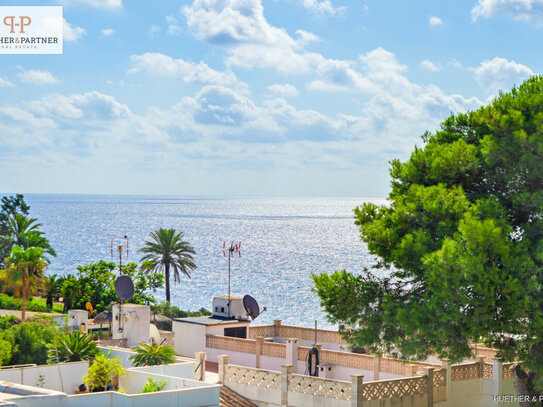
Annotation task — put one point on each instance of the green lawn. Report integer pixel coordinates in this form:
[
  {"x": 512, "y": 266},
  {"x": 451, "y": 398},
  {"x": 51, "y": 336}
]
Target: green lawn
[{"x": 57, "y": 307}]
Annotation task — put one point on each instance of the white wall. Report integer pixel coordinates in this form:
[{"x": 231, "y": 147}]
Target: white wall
[
  {"x": 62, "y": 377},
  {"x": 236, "y": 358},
  {"x": 135, "y": 320},
  {"x": 133, "y": 381},
  {"x": 188, "y": 338},
  {"x": 183, "y": 370}
]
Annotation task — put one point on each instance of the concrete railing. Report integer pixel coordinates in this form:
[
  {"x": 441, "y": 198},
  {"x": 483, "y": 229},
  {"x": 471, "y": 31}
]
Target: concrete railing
[
  {"x": 285, "y": 388},
  {"x": 467, "y": 384}
]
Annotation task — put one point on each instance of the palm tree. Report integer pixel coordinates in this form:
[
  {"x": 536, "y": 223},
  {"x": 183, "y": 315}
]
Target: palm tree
[
  {"x": 151, "y": 355},
  {"x": 71, "y": 348},
  {"x": 27, "y": 267},
  {"x": 23, "y": 232},
  {"x": 53, "y": 285},
  {"x": 166, "y": 249}
]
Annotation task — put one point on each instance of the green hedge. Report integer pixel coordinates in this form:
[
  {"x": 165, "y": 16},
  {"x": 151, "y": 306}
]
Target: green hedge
[{"x": 8, "y": 302}]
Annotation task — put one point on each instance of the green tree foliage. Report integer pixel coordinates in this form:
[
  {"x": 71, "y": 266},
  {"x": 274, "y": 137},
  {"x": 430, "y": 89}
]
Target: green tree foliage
[
  {"x": 29, "y": 342},
  {"x": 53, "y": 288},
  {"x": 5, "y": 352},
  {"x": 459, "y": 247},
  {"x": 102, "y": 372},
  {"x": 7, "y": 322},
  {"x": 95, "y": 283},
  {"x": 72, "y": 347},
  {"x": 166, "y": 250},
  {"x": 151, "y": 355},
  {"x": 26, "y": 266},
  {"x": 151, "y": 386},
  {"x": 24, "y": 231},
  {"x": 171, "y": 311},
  {"x": 9, "y": 206}
]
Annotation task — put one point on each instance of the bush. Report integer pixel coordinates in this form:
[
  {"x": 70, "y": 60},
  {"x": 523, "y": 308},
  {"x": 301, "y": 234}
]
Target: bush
[
  {"x": 29, "y": 342},
  {"x": 72, "y": 347},
  {"x": 12, "y": 303},
  {"x": 7, "y": 302},
  {"x": 152, "y": 386},
  {"x": 171, "y": 311},
  {"x": 8, "y": 321},
  {"x": 5, "y": 352},
  {"x": 102, "y": 372},
  {"x": 36, "y": 307},
  {"x": 152, "y": 355}
]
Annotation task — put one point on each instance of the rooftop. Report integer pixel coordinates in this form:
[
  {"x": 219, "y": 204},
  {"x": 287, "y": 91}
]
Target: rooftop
[{"x": 210, "y": 320}]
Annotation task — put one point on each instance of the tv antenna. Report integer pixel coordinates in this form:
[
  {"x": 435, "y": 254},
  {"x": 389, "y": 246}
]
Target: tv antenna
[
  {"x": 119, "y": 246},
  {"x": 231, "y": 250}
]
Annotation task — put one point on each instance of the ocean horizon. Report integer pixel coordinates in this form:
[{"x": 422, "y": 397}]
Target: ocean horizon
[{"x": 283, "y": 241}]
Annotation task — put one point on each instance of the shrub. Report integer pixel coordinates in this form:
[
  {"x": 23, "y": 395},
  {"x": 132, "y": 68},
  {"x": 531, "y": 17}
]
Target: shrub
[
  {"x": 36, "y": 307},
  {"x": 29, "y": 342},
  {"x": 12, "y": 303},
  {"x": 5, "y": 352},
  {"x": 171, "y": 311},
  {"x": 152, "y": 386},
  {"x": 8, "y": 321},
  {"x": 102, "y": 372},
  {"x": 71, "y": 348},
  {"x": 151, "y": 355},
  {"x": 7, "y": 302}
]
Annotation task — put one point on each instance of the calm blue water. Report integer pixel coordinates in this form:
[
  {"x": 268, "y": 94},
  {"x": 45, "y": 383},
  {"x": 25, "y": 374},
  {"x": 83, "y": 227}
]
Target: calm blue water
[{"x": 284, "y": 240}]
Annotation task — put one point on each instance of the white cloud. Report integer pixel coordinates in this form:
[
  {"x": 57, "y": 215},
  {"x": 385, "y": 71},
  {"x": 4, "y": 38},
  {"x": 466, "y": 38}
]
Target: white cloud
[
  {"x": 239, "y": 26},
  {"x": 454, "y": 62},
  {"x": 4, "y": 83},
  {"x": 434, "y": 21},
  {"x": 283, "y": 90},
  {"x": 429, "y": 66},
  {"x": 111, "y": 4},
  {"x": 173, "y": 26},
  {"x": 37, "y": 77},
  {"x": 90, "y": 106},
  {"x": 108, "y": 32},
  {"x": 154, "y": 29},
  {"x": 499, "y": 73},
  {"x": 528, "y": 10},
  {"x": 72, "y": 33},
  {"x": 189, "y": 72},
  {"x": 323, "y": 7},
  {"x": 305, "y": 38}
]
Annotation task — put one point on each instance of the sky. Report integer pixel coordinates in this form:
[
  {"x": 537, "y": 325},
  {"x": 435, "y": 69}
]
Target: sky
[{"x": 251, "y": 97}]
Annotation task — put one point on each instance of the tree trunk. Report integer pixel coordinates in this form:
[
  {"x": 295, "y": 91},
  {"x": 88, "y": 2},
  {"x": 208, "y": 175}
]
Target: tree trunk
[
  {"x": 524, "y": 386},
  {"x": 167, "y": 275},
  {"x": 24, "y": 295}
]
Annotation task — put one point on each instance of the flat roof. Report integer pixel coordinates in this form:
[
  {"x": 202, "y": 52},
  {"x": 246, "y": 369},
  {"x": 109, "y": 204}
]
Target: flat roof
[{"x": 211, "y": 320}]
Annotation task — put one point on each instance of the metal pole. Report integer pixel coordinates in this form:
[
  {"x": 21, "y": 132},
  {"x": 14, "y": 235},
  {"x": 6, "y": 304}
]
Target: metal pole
[
  {"x": 315, "y": 332},
  {"x": 229, "y": 255}
]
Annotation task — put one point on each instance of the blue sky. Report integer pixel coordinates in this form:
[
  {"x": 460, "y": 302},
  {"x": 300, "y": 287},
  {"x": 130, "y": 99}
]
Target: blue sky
[{"x": 250, "y": 97}]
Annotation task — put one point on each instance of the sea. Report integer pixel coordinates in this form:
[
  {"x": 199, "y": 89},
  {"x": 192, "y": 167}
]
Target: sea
[{"x": 283, "y": 241}]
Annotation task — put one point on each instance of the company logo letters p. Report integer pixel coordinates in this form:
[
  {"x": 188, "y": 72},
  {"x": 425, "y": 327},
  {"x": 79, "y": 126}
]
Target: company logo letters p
[{"x": 22, "y": 22}]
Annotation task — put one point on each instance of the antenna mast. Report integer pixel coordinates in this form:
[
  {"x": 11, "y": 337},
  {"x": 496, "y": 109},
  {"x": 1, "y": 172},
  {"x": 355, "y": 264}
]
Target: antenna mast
[
  {"x": 233, "y": 248},
  {"x": 120, "y": 245}
]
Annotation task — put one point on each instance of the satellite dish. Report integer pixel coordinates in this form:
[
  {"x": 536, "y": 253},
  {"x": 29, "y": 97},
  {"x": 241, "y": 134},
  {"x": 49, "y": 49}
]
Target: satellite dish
[
  {"x": 154, "y": 334},
  {"x": 124, "y": 287},
  {"x": 251, "y": 306}
]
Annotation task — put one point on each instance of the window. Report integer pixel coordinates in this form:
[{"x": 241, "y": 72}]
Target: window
[{"x": 238, "y": 332}]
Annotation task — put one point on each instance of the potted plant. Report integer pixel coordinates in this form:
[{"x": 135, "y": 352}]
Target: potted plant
[{"x": 102, "y": 373}]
